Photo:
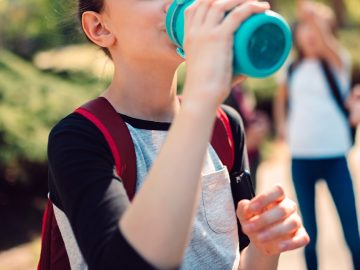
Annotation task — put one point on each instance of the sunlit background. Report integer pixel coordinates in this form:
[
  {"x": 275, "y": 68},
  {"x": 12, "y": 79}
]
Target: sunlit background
[{"x": 47, "y": 68}]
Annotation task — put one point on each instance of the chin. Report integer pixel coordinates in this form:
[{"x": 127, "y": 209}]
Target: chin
[
  {"x": 175, "y": 60},
  {"x": 173, "y": 56}
]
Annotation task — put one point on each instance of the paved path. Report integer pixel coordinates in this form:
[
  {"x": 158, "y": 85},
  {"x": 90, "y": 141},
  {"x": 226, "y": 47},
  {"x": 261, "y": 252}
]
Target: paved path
[{"x": 333, "y": 253}]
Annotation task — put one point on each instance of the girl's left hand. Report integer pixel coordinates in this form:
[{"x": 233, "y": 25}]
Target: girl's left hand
[
  {"x": 272, "y": 223},
  {"x": 353, "y": 105}
]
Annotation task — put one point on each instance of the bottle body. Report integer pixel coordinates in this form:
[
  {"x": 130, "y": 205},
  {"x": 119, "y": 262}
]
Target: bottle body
[{"x": 261, "y": 44}]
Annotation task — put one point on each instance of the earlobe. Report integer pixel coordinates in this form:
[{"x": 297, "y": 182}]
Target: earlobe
[{"x": 96, "y": 30}]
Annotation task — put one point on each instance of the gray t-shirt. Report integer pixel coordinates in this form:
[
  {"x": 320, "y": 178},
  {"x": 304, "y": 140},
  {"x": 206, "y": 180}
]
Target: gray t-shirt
[{"x": 214, "y": 242}]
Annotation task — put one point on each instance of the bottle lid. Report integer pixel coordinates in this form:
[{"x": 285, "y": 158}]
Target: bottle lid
[{"x": 261, "y": 45}]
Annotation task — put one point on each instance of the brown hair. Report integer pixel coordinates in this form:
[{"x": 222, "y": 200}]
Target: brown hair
[{"x": 91, "y": 5}]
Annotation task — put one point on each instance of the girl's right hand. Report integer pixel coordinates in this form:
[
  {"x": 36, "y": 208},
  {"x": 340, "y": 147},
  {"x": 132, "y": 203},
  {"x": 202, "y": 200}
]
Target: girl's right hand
[{"x": 208, "y": 45}]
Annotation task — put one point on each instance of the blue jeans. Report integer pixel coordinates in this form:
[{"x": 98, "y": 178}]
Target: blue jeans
[{"x": 305, "y": 174}]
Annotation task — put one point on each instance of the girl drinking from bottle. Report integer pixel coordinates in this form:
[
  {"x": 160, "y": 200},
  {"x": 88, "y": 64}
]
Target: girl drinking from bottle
[
  {"x": 167, "y": 225},
  {"x": 318, "y": 131}
]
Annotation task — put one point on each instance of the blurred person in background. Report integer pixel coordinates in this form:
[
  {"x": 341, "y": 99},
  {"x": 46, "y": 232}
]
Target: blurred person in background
[
  {"x": 317, "y": 131},
  {"x": 256, "y": 123}
]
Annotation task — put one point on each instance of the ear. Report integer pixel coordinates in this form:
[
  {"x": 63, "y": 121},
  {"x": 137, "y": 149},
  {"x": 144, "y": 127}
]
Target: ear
[{"x": 96, "y": 30}]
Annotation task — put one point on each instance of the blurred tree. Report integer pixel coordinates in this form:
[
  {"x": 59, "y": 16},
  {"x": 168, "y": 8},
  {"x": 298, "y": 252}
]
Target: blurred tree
[
  {"x": 32, "y": 25},
  {"x": 340, "y": 11},
  {"x": 273, "y": 4},
  {"x": 31, "y": 101}
]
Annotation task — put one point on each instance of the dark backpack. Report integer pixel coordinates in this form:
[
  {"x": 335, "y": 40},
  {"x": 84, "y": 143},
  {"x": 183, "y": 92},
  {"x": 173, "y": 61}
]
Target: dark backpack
[
  {"x": 100, "y": 112},
  {"x": 334, "y": 89}
]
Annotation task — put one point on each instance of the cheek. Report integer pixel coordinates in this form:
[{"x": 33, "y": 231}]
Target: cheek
[
  {"x": 140, "y": 29},
  {"x": 304, "y": 38},
  {"x": 310, "y": 35},
  {"x": 133, "y": 35},
  {"x": 300, "y": 39}
]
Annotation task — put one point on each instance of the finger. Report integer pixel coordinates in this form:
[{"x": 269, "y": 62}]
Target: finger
[
  {"x": 284, "y": 230},
  {"x": 275, "y": 215},
  {"x": 267, "y": 199},
  {"x": 218, "y": 9},
  {"x": 235, "y": 17},
  {"x": 238, "y": 79},
  {"x": 230, "y": 4},
  {"x": 242, "y": 210},
  {"x": 197, "y": 11},
  {"x": 300, "y": 239}
]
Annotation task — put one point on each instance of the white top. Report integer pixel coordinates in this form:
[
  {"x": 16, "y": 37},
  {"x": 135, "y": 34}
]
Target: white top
[{"x": 316, "y": 126}]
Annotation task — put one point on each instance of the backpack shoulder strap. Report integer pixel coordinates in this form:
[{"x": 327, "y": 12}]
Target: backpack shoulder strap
[
  {"x": 334, "y": 87},
  {"x": 223, "y": 143},
  {"x": 336, "y": 94},
  {"x": 290, "y": 70},
  {"x": 53, "y": 254},
  {"x": 102, "y": 114},
  {"x": 222, "y": 139}
]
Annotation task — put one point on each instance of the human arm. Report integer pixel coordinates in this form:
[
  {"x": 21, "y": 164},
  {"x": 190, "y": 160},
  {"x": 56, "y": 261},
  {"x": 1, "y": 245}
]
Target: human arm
[
  {"x": 280, "y": 110},
  {"x": 273, "y": 225},
  {"x": 275, "y": 216}
]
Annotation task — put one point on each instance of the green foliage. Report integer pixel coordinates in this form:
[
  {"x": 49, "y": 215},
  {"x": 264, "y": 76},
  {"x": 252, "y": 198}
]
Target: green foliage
[
  {"x": 350, "y": 38},
  {"x": 352, "y": 9},
  {"x": 31, "y": 102},
  {"x": 32, "y": 25}
]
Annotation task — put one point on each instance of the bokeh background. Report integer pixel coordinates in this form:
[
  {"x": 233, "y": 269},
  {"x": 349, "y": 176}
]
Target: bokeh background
[{"x": 47, "y": 68}]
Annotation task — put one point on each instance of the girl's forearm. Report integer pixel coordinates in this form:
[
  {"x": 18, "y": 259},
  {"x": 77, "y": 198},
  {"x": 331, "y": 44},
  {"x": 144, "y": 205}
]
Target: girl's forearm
[
  {"x": 159, "y": 221},
  {"x": 330, "y": 49},
  {"x": 280, "y": 104},
  {"x": 331, "y": 52},
  {"x": 253, "y": 259}
]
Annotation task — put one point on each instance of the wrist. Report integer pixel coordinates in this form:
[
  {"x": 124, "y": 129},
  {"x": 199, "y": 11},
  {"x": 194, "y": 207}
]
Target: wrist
[
  {"x": 254, "y": 259},
  {"x": 199, "y": 100},
  {"x": 261, "y": 254}
]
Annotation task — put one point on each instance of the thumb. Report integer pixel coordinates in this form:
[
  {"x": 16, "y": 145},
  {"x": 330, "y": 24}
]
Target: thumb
[{"x": 243, "y": 213}]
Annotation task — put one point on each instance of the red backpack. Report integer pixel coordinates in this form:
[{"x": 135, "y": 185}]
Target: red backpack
[{"x": 101, "y": 113}]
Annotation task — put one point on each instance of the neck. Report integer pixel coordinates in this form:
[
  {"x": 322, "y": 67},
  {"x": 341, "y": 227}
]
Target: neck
[
  {"x": 145, "y": 92},
  {"x": 311, "y": 55}
]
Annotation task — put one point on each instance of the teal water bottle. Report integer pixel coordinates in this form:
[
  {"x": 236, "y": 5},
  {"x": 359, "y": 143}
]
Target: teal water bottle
[{"x": 261, "y": 44}]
